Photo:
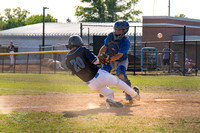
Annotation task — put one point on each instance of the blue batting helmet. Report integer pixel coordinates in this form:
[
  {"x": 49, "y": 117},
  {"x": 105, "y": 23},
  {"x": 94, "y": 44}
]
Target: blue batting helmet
[{"x": 121, "y": 24}]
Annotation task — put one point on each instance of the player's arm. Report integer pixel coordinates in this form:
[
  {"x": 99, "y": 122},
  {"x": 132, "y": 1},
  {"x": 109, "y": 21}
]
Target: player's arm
[
  {"x": 116, "y": 57},
  {"x": 97, "y": 61},
  {"x": 103, "y": 49},
  {"x": 91, "y": 57}
]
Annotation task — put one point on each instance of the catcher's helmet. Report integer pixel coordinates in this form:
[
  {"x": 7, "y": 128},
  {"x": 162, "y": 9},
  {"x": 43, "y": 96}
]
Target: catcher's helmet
[
  {"x": 74, "y": 40},
  {"x": 121, "y": 24}
]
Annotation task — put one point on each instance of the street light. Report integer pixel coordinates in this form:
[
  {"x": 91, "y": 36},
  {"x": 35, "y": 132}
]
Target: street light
[{"x": 43, "y": 33}]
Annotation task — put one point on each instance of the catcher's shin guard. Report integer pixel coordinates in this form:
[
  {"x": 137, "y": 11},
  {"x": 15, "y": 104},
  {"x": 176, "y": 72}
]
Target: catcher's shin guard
[
  {"x": 121, "y": 72},
  {"x": 128, "y": 97}
]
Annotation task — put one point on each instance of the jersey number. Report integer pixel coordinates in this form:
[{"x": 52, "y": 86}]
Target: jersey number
[{"x": 78, "y": 64}]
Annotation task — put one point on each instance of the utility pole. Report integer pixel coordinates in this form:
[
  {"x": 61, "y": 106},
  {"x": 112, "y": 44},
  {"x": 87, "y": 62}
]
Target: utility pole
[{"x": 169, "y": 9}]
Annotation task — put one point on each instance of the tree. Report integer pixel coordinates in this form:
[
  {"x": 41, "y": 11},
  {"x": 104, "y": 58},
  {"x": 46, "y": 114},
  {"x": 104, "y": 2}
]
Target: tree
[
  {"x": 39, "y": 18},
  {"x": 181, "y": 15},
  {"x": 14, "y": 18},
  {"x": 108, "y": 11},
  {"x": 1, "y": 22},
  {"x": 68, "y": 20},
  {"x": 17, "y": 17}
]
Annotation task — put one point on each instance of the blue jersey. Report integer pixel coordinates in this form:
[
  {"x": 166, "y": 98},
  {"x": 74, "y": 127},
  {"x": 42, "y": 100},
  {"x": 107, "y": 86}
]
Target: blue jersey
[
  {"x": 117, "y": 46},
  {"x": 80, "y": 61},
  {"x": 166, "y": 53}
]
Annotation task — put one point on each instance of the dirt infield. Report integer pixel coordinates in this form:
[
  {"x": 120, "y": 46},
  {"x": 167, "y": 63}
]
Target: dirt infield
[{"x": 151, "y": 104}]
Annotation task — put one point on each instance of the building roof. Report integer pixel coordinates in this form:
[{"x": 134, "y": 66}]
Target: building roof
[
  {"x": 171, "y": 17},
  {"x": 66, "y": 29}
]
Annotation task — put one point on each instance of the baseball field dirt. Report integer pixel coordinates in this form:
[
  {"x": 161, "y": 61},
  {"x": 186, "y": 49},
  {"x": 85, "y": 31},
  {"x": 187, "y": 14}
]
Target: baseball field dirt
[{"x": 151, "y": 104}]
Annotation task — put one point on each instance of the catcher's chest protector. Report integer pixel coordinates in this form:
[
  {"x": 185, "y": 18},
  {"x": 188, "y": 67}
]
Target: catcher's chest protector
[{"x": 113, "y": 48}]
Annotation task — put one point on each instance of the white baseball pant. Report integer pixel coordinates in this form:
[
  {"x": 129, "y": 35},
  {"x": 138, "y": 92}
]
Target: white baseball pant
[
  {"x": 11, "y": 58},
  {"x": 103, "y": 79}
]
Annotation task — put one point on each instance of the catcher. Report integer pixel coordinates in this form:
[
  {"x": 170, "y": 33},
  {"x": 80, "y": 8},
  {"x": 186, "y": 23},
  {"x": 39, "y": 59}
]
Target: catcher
[
  {"x": 117, "y": 45},
  {"x": 83, "y": 63}
]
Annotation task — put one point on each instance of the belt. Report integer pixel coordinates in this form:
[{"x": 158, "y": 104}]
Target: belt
[{"x": 97, "y": 74}]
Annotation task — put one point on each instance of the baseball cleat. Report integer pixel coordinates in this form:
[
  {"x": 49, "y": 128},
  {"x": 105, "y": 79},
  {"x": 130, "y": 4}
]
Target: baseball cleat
[
  {"x": 136, "y": 89},
  {"x": 132, "y": 100},
  {"x": 100, "y": 95},
  {"x": 112, "y": 103}
]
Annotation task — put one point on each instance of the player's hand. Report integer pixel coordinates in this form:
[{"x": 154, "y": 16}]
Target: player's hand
[{"x": 104, "y": 59}]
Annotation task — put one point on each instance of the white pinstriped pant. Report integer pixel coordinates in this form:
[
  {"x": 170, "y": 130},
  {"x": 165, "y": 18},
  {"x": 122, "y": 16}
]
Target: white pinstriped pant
[
  {"x": 11, "y": 58},
  {"x": 103, "y": 79}
]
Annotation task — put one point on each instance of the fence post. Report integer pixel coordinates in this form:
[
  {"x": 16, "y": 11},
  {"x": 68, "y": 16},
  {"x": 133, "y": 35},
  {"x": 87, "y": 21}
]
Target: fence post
[
  {"x": 3, "y": 64},
  {"x": 81, "y": 28},
  {"x": 88, "y": 36},
  {"x": 14, "y": 62},
  {"x": 169, "y": 47},
  {"x": 184, "y": 37},
  {"x": 134, "y": 49},
  {"x": 54, "y": 56},
  {"x": 40, "y": 63},
  {"x": 196, "y": 67},
  {"x": 27, "y": 63}
]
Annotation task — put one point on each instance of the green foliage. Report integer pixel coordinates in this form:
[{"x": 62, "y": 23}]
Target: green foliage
[
  {"x": 68, "y": 20},
  {"x": 181, "y": 15},
  {"x": 1, "y": 22},
  {"x": 14, "y": 18},
  {"x": 108, "y": 11},
  {"x": 39, "y": 18},
  {"x": 17, "y": 17}
]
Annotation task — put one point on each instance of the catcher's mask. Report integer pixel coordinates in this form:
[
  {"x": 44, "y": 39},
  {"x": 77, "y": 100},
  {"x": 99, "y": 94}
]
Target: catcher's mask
[
  {"x": 74, "y": 41},
  {"x": 121, "y": 24}
]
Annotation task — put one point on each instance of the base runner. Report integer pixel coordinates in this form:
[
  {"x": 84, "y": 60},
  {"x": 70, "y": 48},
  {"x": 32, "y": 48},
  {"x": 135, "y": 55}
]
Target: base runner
[{"x": 83, "y": 63}]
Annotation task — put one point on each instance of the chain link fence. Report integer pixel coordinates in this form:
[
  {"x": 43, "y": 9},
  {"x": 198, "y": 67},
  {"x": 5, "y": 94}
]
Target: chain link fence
[{"x": 146, "y": 52}]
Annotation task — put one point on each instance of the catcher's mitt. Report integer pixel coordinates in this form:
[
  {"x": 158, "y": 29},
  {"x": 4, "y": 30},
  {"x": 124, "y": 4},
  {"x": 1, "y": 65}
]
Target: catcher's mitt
[{"x": 104, "y": 59}]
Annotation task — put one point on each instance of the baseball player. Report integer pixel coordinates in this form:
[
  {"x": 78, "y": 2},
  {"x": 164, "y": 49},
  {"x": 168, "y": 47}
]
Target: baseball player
[
  {"x": 83, "y": 63},
  {"x": 117, "y": 45},
  {"x": 11, "y": 49}
]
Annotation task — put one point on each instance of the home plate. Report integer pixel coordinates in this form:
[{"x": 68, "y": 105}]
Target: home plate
[{"x": 164, "y": 100}]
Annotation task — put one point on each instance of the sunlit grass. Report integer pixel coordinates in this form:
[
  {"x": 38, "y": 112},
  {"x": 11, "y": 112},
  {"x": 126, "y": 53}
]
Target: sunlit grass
[
  {"x": 68, "y": 122},
  {"x": 18, "y": 83}
]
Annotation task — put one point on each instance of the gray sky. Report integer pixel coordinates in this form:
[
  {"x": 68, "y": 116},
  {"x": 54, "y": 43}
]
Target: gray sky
[{"x": 63, "y": 9}]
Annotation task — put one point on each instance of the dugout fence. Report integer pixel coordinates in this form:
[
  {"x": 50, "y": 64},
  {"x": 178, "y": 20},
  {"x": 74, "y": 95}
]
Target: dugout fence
[{"x": 35, "y": 62}]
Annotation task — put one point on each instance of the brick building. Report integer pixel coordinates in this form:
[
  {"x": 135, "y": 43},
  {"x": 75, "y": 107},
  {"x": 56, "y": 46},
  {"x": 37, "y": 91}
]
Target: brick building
[{"x": 172, "y": 29}]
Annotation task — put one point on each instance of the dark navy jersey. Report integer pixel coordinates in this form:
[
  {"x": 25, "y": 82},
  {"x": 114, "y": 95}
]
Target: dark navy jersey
[
  {"x": 11, "y": 48},
  {"x": 80, "y": 61}
]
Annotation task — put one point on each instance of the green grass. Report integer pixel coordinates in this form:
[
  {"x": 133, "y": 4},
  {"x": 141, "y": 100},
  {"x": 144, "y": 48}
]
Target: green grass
[
  {"x": 18, "y": 83},
  {"x": 47, "y": 122},
  {"x": 41, "y": 84},
  {"x": 166, "y": 83},
  {"x": 53, "y": 122}
]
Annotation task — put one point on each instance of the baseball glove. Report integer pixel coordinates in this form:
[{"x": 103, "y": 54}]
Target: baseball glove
[{"x": 104, "y": 59}]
